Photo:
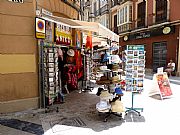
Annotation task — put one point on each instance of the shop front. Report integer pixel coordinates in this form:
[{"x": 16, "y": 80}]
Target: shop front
[
  {"x": 161, "y": 45},
  {"x": 60, "y": 59}
]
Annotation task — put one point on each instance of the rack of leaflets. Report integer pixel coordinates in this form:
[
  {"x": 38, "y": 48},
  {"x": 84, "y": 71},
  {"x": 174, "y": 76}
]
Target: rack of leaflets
[{"x": 135, "y": 72}]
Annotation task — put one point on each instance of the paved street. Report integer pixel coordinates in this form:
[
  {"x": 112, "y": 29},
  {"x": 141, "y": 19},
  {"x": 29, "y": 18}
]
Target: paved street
[{"x": 79, "y": 116}]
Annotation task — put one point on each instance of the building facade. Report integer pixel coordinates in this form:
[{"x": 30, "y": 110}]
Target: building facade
[
  {"x": 97, "y": 11},
  {"x": 153, "y": 23},
  {"x": 19, "y": 85}
]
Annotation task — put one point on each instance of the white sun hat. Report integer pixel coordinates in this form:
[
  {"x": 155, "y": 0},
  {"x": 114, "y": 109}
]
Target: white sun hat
[{"x": 71, "y": 52}]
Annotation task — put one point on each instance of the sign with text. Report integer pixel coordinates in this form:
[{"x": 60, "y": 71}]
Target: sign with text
[
  {"x": 150, "y": 33},
  {"x": 63, "y": 34}
]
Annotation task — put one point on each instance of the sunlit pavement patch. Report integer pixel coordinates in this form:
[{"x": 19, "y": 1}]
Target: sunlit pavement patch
[
  {"x": 23, "y": 126},
  {"x": 60, "y": 124}
]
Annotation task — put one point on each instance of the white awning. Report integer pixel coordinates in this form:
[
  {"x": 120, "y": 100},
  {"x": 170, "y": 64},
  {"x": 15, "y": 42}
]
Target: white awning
[{"x": 100, "y": 30}]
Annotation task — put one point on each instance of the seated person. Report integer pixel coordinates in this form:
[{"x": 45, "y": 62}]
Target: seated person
[{"x": 170, "y": 67}]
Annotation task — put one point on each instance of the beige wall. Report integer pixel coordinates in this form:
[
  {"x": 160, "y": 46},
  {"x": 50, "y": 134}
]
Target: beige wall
[
  {"x": 18, "y": 56},
  {"x": 59, "y": 8},
  {"x": 19, "y": 53}
]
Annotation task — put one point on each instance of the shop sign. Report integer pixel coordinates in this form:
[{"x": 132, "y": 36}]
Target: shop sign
[
  {"x": 142, "y": 35},
  {"x": 150, "y": 33},
  {"x": 63, "y": 34},
  {"x": 40, "y": 28},
  {"x": 18, "y": 1},
  {"x": 135, "y": 47},
  {"x": 45, "y": 12}
]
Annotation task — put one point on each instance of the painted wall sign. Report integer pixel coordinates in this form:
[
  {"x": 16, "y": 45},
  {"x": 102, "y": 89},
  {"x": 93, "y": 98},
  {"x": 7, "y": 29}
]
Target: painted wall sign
[{"x": 40, "y": 28}]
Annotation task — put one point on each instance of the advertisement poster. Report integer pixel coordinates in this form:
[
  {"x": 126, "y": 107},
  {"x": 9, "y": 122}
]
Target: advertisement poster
[
  {"x": 63, "y": 35},
  {"x": 49, "y": 31},
  {"x": 164, "y": 85}
]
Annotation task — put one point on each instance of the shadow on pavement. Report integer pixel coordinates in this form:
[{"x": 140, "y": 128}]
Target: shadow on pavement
[
  {"x": 133, "y": 117},
  {"x": 23, "y": 126}
]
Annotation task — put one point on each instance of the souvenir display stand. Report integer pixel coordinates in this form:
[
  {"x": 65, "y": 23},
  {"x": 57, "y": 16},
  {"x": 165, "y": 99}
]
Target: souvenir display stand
[
  {"x": 109, "y": 89},
  {"x": 87, "y": 71},
  {"x": 49, "y": 74},
  {"x": 135, "y": 72}
]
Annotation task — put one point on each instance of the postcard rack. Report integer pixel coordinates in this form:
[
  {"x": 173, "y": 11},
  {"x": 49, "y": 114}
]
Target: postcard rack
[
  {"x": 135, "y": 72},
  {"x": 49, "y": 78}
]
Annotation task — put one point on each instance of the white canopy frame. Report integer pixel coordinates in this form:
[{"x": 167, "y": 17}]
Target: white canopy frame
[{"x": 100, "y": 30}]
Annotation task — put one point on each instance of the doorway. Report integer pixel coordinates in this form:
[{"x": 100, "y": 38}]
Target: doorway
[{"x": 159, "y": 55}]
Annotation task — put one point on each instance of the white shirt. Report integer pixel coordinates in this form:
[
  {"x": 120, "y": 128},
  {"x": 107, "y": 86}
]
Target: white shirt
[{"x": 173, "y": 65}]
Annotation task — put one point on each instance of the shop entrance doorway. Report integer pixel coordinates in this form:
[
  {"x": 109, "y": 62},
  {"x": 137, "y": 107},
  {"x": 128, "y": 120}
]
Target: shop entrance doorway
[{"x": 159, "y": 55}]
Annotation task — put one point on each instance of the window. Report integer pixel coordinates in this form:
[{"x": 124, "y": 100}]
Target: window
[
  {"x": 141, "y": 14},
  {"x": 124, "y": 18},
  {"x": 161, "y": 10},
  {"x": 124, "y": 15},
  {"x": 103, "y": 2},
  {"x": 159, "y": 55},
  {"x": 104, "y": 20}
]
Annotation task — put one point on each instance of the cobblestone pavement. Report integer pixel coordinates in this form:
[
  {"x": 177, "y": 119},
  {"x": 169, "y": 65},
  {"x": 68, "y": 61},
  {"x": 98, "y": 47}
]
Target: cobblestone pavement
[{"x": 79, "y": 116}]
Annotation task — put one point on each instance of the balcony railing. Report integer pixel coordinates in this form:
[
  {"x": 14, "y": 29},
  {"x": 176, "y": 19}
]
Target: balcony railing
[
  {"x": 125, "y": 27},
  {"x": 153, "y": 19},
  {"x": 115, "y": 3},
  {"x": 104, "y": 9}
]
